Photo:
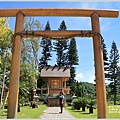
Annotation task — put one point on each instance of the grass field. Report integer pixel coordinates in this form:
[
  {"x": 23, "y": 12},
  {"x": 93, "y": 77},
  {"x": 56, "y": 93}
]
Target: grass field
[
  {"x": 26, "y": 112},
  {"x": 80, "y": 114},
  {"x": 113, "y": 111}
]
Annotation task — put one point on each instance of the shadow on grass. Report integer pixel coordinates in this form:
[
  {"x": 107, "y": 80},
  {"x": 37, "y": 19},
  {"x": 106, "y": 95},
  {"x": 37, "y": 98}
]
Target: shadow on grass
[
  {"x": 3, "y": 114},
  {"x": 75, "y": 110},
  {"x": 5, "y": 111},
  {"x": 91, "y": 114},
  {"x": 82, "y": 112},
  {"x": 86, "y": 113}
]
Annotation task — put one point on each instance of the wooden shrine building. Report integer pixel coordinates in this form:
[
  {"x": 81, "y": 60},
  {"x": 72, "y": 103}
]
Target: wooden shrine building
[{"x": 56, "y": 78}]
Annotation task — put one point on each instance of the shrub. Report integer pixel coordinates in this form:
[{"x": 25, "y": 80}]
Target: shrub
[
  {"x": 76, "y": 104},
  {"x": 83, "y": 101},
  {"x": 91, "y": 105}
]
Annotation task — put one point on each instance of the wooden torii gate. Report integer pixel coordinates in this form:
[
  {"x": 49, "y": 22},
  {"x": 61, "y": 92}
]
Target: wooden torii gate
[{"x": 94, "y": 14}]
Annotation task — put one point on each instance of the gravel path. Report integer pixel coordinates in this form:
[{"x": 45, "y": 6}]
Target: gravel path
[{"x": 53, "y": 113}]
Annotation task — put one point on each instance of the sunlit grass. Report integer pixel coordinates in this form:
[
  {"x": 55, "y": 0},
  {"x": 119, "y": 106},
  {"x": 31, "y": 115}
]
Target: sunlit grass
[
  {"x": 3, "y": 113},
  {"x": 26, "y": 112},
  {"x": 80, "y": 114},
  {"x": 113, "y": 111}
]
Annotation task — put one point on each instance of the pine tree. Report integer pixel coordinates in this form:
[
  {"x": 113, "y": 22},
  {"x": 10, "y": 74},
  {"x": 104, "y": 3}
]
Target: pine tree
[
  {"x": 46, "y": 48},
  {"x": 118, "y": 78},
  {"x": 46, "y": 53},
  {"x": 73, "y": 53},
  {"x": 72, "y": 60},
  {"x": 61, "y": 48},
  {"x": 113, "y": 70},
  {"x": 105, "y": 58},
  {"x": 106, "y": 62}
]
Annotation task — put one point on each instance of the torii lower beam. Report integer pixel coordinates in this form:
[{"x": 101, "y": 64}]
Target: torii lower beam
[{"x": 56, "y": 33}]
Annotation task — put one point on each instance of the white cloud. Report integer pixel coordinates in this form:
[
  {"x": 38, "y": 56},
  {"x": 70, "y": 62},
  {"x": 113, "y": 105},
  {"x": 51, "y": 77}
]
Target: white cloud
[
  {"x": 79, "y": 76},
  {"x": 105, "y": 25},
  {"x": 90, "y": 77},
  {"x": 89, "y": 5},
  {"x": 87, "y": 77}
]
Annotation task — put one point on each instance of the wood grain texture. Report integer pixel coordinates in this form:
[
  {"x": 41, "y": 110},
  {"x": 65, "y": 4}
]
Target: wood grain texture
[
  {"x": 56, "y": 33},
  {"x": 59, "y": 12}
]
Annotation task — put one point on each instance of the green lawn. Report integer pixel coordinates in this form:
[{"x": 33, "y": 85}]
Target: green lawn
[
  {"x": 80, "y": 114},
  {"x": 113, "y": 111},
  {"x": 3, "y": 113},
  {"x": 26, "y": 112}
]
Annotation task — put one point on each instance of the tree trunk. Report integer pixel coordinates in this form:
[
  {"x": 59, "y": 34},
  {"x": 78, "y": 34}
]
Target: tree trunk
[
  {"x": 78, "y": 108},
  {"x": 83, "y": 109},
  {"x": 5, "y": 99},
  {"x": 31, "y": 95},
  {"x": 115, "y": 94},
  {"x": 91, "y": 110},
  {"x": 115, "y": 99},
  {"x": 18, "y": 108}
]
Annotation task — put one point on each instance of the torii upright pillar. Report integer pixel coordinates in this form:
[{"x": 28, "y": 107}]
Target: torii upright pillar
[
  {"x": 15, "y": 68},
  {"x": 99, "y": 68}
]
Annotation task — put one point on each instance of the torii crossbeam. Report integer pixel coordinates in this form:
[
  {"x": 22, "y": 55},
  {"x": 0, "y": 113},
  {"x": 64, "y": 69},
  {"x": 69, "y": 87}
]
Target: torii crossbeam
[
  {"x": 59, "y": 12},
  {"x": 94, "y": 14}
]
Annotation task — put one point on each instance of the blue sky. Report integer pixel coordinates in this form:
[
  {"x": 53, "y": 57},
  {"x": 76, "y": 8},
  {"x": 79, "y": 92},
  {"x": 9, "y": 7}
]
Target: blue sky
[{"x": 110, "y": 30}]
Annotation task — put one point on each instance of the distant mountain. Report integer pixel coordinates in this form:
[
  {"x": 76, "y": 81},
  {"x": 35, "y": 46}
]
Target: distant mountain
[{"x": 88, "y": 88}]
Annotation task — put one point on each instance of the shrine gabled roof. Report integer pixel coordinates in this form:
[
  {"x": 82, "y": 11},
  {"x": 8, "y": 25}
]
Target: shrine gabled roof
[{"x": 55, "y": 71}]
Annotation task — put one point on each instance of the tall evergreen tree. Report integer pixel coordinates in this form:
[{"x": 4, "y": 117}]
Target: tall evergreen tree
[
  {"x": 113, "y": 70},
  {"x": 73, "y": 53},
  {"x": 72, "y": 60},
  {"x": 46, "y": 48},
  {"x": 105, "y": 58},
  {"x": 61, "y": 48},
  {"x": 46, "y": 53},
  {"x": 106, "y": 62},
  {"x": 118, "y": 77}
]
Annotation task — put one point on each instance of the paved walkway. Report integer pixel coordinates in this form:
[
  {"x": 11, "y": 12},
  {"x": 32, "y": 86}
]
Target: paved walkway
[{"x": 53, "y": 113}]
